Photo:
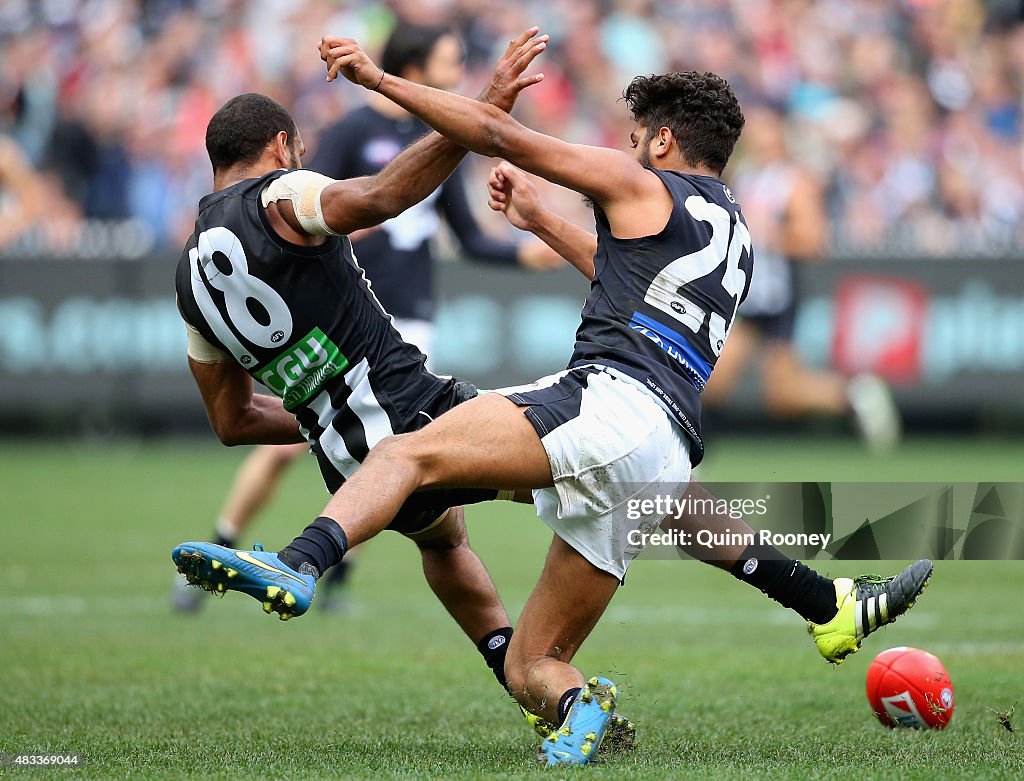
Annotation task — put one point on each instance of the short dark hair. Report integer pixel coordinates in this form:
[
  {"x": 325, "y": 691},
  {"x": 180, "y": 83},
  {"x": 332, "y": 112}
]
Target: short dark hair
[
  {"x": 242, "y": 128},
  {"x": 700, "y": 109},
  {"x": 410, "y": 46}
]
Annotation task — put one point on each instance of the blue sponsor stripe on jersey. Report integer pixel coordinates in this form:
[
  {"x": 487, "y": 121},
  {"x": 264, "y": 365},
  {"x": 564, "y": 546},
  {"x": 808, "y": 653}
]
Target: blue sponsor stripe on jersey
[{"x": 676, "y": 345}]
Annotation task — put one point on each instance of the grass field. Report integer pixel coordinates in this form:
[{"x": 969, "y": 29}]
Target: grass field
[{"x": 722, "y": 682}]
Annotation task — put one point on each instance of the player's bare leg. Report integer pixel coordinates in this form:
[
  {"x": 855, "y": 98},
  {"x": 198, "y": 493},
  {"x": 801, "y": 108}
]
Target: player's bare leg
[
  {"x": 721, "y": 524},
  {"x": 563, "y": 609},
  {"x": 486, "y": 442},
  {"x": 460, "y": 581},
  {"x": 792, "y": 389}
]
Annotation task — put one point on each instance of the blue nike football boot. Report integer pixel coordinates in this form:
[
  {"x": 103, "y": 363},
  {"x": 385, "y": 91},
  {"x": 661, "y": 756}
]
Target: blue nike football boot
[
  {"x": 576, "y": 742},
  {"x": 259, "y": 574}
]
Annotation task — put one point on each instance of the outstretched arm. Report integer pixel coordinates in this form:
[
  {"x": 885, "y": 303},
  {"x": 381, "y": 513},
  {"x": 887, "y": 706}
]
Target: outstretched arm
[
  {"x": 512, "y": 193},
  {"x": 607, "y": 176},
  {"x": 420, "y": 169}
]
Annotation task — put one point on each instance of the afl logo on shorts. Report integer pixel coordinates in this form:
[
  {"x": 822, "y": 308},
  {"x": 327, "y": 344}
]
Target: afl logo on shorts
[
  {"x": 277, "y": 336},
  {"x": 496, "y": 642}
]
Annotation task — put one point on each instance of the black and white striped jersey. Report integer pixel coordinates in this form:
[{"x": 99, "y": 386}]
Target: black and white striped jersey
[{"x": 304, "y": 322}]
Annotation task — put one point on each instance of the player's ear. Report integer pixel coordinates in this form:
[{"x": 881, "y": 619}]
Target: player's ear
[
  {"x": 281, "y": 149},
  {"x": 664, "y": 142}
]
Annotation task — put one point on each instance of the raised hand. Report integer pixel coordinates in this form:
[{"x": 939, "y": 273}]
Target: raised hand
[
  {"x": 511, "y": 192},
  {"x": 346, "y": 56},
  {"x": 508, "y": 81}
]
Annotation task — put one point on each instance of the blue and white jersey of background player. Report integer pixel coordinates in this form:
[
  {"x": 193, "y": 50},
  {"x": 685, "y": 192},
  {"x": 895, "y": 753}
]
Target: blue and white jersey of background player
[{"x": 660, "y": 307}]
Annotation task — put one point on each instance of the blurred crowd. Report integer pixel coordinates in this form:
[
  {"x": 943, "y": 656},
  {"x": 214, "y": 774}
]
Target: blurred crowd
[{"x": 906, "y": 112}]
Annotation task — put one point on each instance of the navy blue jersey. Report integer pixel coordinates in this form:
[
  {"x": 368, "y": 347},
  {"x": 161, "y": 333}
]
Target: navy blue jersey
[
  {"x": 661, "y": 306},
  {"x": 304, "y": 322}
]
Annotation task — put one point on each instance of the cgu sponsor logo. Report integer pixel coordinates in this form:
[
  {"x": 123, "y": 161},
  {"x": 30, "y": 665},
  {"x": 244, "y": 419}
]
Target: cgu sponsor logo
[{"x": 299, "y": 373}]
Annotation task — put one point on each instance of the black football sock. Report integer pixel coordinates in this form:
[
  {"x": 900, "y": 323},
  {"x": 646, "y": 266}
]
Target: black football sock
[
  {"x": 321, "y": 545},
  {"x": 788, "y": 582},
  {"x": 493, "y": 648},
  {"x": 565, "y": 702},
  {"x": 220, "y": 539}
]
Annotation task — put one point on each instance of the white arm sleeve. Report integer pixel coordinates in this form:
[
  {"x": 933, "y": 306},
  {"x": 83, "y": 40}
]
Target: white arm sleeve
[
  {"x": 303, "y": 189},
  {"x": 200, "y": 350}
]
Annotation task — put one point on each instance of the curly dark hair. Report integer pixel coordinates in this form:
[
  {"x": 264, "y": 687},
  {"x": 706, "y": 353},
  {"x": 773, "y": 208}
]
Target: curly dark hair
[
  {"x": 242, "y": 128},
  {"x": 700, "y": 109}
]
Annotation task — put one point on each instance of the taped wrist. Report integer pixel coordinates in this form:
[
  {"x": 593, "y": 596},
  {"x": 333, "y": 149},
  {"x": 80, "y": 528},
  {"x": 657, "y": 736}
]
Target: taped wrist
[{"x": 304, "y": 189}]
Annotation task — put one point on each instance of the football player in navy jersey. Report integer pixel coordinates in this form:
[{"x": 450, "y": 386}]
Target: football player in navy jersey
[{"x": 621, "y": 424}]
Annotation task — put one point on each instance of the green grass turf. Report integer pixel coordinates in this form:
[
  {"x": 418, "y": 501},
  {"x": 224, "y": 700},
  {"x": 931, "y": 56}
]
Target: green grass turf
[{"x": 722, "y": 682}]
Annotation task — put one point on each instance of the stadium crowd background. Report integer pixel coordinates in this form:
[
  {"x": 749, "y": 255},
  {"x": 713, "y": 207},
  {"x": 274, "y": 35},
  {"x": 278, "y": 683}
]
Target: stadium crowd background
[{"x": 908, "y": 112}]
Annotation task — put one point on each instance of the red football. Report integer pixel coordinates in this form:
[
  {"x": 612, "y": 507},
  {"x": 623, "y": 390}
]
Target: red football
[{"x": 910, "y": 688}]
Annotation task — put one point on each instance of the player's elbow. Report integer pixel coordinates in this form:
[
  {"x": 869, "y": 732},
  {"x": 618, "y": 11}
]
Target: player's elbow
[
  {"x": 229, "y": 430},
  {"x": 228, "y": 436}
]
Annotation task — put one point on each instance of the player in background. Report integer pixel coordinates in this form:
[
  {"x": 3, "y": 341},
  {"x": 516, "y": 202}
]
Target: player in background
[
  {"x": 672, "y": 261},
  {"x": 396, "y": 255},
  {"x": 785, "y": 207}
]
